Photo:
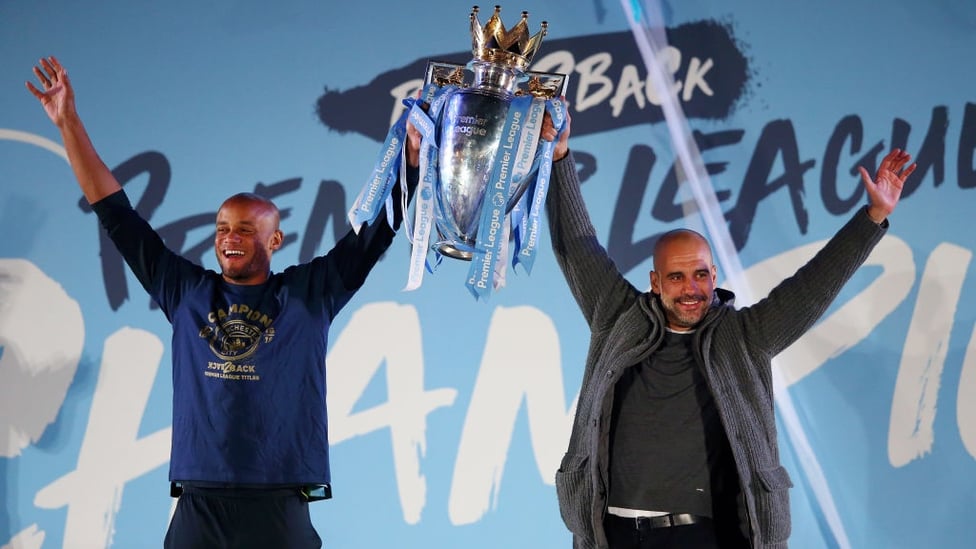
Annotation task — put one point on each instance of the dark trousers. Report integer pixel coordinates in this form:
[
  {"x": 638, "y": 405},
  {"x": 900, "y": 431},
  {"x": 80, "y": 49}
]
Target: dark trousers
[
  {"x": 628, "y": 533},
  {"x": 220, "y": 518}
]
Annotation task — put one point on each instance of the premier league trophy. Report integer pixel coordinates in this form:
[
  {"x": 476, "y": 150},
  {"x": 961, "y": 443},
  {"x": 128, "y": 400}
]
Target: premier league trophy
[{"x": 483, "y": 171}]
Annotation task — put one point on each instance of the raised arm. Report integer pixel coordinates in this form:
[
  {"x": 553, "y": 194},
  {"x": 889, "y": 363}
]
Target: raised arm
[
  {"x": 594, "y": 280},
  {"x": 799, "y": 301},
  {"x": 58, "y": 99},
  {"x": 885, "y": 190}
]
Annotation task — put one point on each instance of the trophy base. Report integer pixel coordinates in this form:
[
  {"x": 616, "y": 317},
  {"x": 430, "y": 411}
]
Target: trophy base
[{"x": 451, "y": 249}]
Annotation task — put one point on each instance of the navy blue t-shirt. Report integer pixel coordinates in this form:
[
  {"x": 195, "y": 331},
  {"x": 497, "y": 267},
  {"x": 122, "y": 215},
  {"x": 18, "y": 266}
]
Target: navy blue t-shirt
[{"x": 249, "y": 381}]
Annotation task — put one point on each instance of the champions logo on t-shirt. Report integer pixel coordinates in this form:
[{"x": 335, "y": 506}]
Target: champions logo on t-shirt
[{"x": 233, "y": 336}]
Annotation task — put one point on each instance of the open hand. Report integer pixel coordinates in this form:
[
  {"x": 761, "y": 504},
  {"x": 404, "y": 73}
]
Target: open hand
[
  {"x": 885, "y": 189},
  {"x": 55, "y": 94}
]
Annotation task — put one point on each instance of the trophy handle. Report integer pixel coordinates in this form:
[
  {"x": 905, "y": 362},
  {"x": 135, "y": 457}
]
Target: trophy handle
[
  {"x": 540, "y": 84},
  {"x": 441, "y": 73},
  {"x": 546, "y": 84}
]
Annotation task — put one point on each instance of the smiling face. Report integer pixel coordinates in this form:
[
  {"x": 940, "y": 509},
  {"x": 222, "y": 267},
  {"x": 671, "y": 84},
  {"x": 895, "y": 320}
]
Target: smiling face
[
  {"x": 247, "y": 235},
  {"x": 684, "y": 277}
]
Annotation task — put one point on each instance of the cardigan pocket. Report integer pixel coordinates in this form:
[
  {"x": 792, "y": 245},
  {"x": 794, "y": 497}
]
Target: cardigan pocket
[
  {"x": 575, "y": 493},
  {"x": 773, "y": 504}
]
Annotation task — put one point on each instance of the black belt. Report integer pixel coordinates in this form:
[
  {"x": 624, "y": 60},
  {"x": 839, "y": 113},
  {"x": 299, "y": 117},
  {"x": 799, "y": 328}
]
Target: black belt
[
  {"x": 662, "y": 521},
  {"x": 310, "y": 492}
]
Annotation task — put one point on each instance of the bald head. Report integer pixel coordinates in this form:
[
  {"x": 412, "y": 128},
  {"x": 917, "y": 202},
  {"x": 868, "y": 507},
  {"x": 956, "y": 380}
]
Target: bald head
[
  {"x": 257, "y": 204},
  {"x": 678, "y": 240}
]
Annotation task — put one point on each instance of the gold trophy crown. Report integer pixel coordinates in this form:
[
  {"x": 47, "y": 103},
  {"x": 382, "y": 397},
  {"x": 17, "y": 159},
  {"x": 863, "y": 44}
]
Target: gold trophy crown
[{"x": 493, "y": 44}]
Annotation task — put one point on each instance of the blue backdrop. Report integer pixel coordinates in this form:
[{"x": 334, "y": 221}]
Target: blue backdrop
[{"x": 449, "y": 416}]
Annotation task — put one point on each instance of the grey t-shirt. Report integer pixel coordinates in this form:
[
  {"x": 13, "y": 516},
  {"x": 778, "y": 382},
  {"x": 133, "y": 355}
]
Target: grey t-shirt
[{"x": 666, "y": 439}]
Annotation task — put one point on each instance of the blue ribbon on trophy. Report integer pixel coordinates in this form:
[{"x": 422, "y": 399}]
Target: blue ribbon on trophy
[
  {"x": 527, "y": 214},
  {"x": 424, "y": 218},
  {"x": 483, "y": 171},
  {"x": 378, "y": 187}
]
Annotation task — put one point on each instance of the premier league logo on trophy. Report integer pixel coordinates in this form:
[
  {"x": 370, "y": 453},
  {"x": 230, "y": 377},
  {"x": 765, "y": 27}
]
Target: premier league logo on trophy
[{"x": 484, "y": 172}]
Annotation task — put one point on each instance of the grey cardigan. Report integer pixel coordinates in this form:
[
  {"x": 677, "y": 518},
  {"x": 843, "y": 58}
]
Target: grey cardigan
[{"x": 733, "y": 347}]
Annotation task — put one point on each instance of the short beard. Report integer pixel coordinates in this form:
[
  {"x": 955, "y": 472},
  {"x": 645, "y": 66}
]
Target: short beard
[{"x": 673, "y": 314}]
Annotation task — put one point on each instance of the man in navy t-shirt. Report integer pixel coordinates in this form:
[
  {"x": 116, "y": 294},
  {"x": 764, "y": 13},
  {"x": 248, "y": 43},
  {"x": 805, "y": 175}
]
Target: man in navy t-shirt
[{"x": 250, "y": 443}]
